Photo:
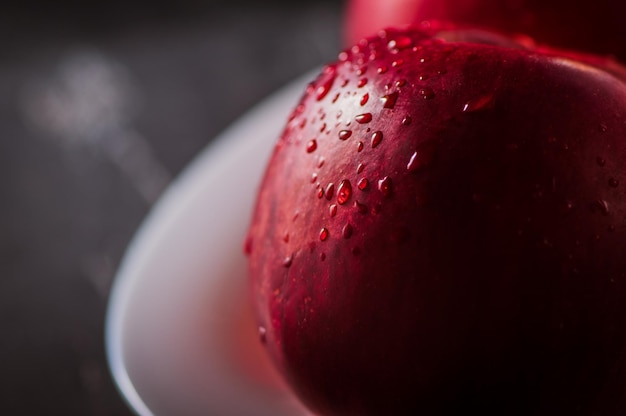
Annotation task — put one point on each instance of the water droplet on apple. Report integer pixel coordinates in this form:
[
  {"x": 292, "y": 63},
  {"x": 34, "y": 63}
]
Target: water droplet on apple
[
  {"x": 345, "y": 134},
  {"x": 384, "y": 186},
  {"x": 330, "y": 191},
  {"x": 328, "y": 79},
  {"x": 262, "y": 334},
  {"x": 287, "y": 261},
  {"x": 361, "y": 208},
  {"x": 323, "y": 234},
  {"x": 377, "y": 137},
  {"x": 247, "y": 246},
  {"x": 360, "y": 168},
  {"x": 346, "y": 232},
  {"x": 600, "y": 205},
  {"x": 362, "y": 82},
  {"x": 477, "y": 103},
  {"x": 363, "y": 184},
  {"x": 332, "y": 210},
  {"x": 359, "y": 146},
  {"x": 406, "y": 120},
  {"x": 363, "y": 118},
  {"x": 344, "y": 192},
  {"x": 399, "y": 43},
  {"x": 364, "y": 99},
  {"x": 311, "y": 146},
  {"x": 389, "y": 100}
]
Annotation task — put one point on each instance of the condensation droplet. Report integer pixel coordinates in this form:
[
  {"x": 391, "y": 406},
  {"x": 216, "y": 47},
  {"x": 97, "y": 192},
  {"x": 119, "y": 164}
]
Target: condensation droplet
[
  {"x": 323, "y": 234},
  {"x": 346, "y": 232},
  {"x": 413, "y": 162},
  {"x": 360, "y": 168},
  {"x": 362, "y": 82},
  {"x": 406, "y": 120},
  {"x": 363, "y": 118},
  {"x": 397, "y": 63},
  {"x": 332, "y": 210},
  {"x": 262, "y": 334},
  {"x": 364, "y": 99},
  {"x": 345, "y": 134},
  {"x": 359, "y": 146},
  {"x": 248, "y": 244},
  {"x": 384, "y": 186},
  {"x": 320, "y": 193},
  {"x": 389, "y": 100},
  {"x": 600, "y": 205},
  {"x": 401, "y": 42},
  {"x": 344, "y": 192},
  {"x": 363, "y": 184},
  {"x": 327, "y": 83},
  {"x": 400, "y": 83},
  {"x": 287, "y": 261},
  {"x": 313, "y": 177},
  {"x": 322, "y": 256},
  {"x": 311, "y": 146},
  {"x": 377, "y": 137},
  {"x": 330, "y": 191},
  {"x": 477, "y": 104},
  {"x": 381, "y": 69},
  {"x": 286, "y": 237},
  {"x": 361, "y": 208}
]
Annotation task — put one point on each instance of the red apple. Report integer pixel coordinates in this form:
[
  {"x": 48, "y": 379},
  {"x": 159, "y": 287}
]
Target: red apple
[
  {"x": 593, "y": 26},
  {"x": 442, "y": 228}
]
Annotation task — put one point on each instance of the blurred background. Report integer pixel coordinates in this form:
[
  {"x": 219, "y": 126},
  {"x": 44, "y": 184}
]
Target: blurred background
[{"x": 102, "y": 104}]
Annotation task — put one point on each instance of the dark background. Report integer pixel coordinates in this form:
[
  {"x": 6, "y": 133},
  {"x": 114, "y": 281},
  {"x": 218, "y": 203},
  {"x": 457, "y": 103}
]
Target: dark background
[{"x": 101, "y": 104}]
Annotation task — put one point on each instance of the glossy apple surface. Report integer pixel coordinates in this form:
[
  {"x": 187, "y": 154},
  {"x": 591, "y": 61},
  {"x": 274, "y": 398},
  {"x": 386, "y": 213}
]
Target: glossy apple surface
[
  {"x": 593, "y": 26},
  {"x": 441, "y": 231}
]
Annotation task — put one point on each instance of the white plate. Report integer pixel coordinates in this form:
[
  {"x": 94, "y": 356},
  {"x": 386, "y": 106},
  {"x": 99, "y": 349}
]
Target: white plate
[{"x": 180, "y": 335}]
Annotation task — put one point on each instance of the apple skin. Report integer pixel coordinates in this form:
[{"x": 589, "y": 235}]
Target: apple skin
[
  {"x": 482, "y": 268},
  {"x": 592, "y": 26}
]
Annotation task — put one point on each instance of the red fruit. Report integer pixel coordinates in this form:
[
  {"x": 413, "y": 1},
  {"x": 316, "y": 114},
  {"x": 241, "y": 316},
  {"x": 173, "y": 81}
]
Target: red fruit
[
  {"x": 469, "y": 256},
  {"x": 593, "y": 26}
]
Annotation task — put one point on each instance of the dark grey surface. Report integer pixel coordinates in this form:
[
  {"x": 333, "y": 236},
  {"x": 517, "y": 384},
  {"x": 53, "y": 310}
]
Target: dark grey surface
[{"x": 99, "y": 107}]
